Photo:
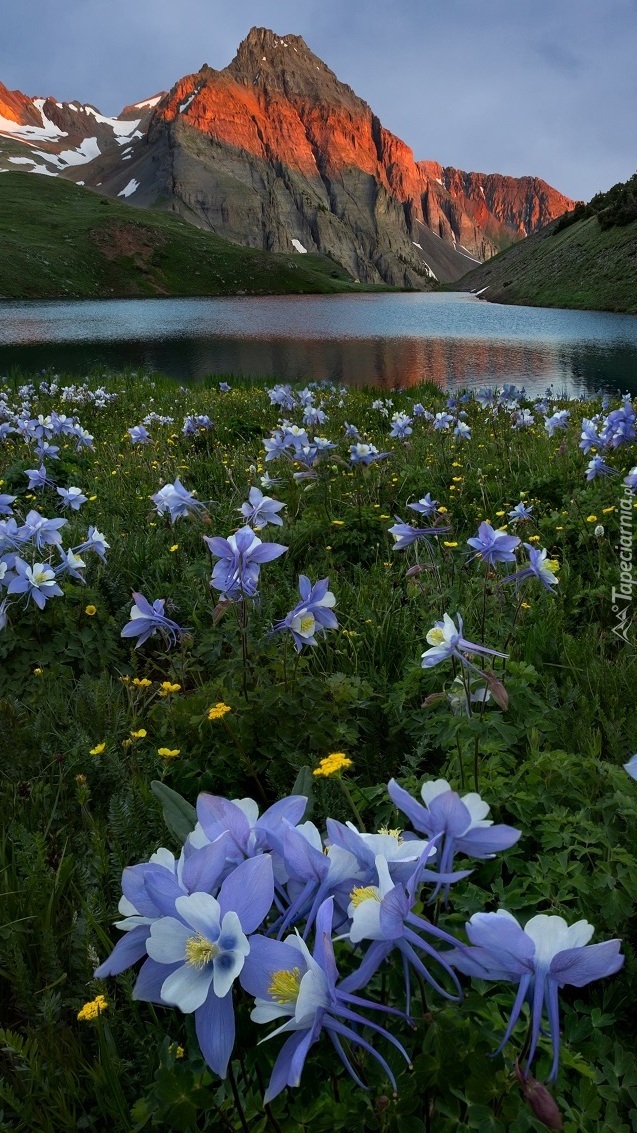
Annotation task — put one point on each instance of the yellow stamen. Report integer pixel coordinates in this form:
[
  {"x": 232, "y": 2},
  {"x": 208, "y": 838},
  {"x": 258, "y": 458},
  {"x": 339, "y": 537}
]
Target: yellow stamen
[
  {"x": 364, "y": 893},
  {"x": 435, "y": 636},
  {"x": 284, "y": 986},
  {"x": 391, "y": 833},
  {"x": 200, "y": 951}
]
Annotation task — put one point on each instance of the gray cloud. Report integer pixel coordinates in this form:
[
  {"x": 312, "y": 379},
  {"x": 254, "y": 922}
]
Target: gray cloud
[{"x": 546, "y": 88}]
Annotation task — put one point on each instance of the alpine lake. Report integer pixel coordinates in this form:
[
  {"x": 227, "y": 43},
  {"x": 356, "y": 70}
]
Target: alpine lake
[{"x": 388, "y": 340}]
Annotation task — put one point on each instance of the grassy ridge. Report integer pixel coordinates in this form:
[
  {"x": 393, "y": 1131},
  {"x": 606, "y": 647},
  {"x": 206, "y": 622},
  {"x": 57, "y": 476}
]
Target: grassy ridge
[
  {"x": 61, "y": 241},
  {"x": 582, "y": 266}
]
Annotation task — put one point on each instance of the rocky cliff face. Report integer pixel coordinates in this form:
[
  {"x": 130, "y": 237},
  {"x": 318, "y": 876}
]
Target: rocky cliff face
[{"x": 276, "y": 153}]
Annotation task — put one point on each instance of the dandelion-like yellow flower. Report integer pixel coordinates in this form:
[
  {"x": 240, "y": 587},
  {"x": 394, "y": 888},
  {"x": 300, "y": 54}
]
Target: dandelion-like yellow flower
[
  {"x": 534, "y": 538},
  {"x": 97, "y": 750},
  {"x": 167, "y": 687},
  {"x": 338, "y": 523},
  {"x": 168, "y": 753},
  {"x": 142, "y": 682},
  {"x": 140, "y": 734},
  {"x": 218, "y": 711},
  {"x": 443, "y": 510},
  {"x": 175, "y": 547},
  {"x": 38, "y": 672},
  {"x": 332, "y": 764},
  {"x": 90, "y": 610},
  {"x": 446, "y": 544},
  {"x": 591, "y": 519},
  {"x": 93, "y": 1009}
]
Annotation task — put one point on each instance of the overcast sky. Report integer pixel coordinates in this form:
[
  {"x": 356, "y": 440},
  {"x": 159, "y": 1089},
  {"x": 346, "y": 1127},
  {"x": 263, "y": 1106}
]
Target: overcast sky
[{"x": 542, "y": 87}]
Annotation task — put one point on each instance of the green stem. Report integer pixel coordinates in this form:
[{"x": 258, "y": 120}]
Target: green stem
[{"x": 355, "y": 811}]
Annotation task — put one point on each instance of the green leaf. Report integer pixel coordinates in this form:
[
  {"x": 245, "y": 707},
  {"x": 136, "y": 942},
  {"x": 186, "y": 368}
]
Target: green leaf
[
  {"x": 179, "y": 815},
  {"x": 304, "y": 785}
]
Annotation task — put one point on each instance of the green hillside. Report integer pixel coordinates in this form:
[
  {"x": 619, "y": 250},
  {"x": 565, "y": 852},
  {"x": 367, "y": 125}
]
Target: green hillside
[
  {"x": 587, "y": 259},
  {"x": 61, "y": 241}
]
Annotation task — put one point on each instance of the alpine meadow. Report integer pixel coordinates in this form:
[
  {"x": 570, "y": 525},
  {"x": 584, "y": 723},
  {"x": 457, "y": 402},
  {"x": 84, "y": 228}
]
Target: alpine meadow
[{"x": 319, "y": 696}]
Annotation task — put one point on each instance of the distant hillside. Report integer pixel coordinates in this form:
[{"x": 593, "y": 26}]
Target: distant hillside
[
  {"x": 587, "y": 259},
  {"x": 60, "y": 241}
]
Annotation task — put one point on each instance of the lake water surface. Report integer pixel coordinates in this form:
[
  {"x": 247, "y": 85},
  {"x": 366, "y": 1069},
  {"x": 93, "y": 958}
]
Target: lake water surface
[{"x": 384, "y": 340}]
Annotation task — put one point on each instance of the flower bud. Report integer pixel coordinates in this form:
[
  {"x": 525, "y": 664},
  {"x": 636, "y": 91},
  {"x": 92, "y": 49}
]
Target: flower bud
[{"x": 540, "y": 1100}]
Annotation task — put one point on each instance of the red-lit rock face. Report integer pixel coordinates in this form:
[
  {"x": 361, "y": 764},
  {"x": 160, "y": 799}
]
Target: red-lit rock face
[
  {"x": 18, "y": 108},
  {"x": 275, "y": 151}
]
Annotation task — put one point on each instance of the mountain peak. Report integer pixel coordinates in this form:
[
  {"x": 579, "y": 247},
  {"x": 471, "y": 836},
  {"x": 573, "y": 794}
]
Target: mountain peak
[{"x": 286, "y": 63}]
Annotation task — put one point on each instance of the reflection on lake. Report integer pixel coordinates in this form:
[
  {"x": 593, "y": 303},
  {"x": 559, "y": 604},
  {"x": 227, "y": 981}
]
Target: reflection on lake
[{"x": 381, "y": 340}]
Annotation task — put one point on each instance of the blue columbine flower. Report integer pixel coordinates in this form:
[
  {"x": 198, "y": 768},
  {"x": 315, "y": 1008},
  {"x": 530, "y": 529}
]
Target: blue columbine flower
[
  {"x": 598, "y": 467},
  {"x": 312, "y": 615},
  {"x": 541, "y": 958},
  {"x": 631, "y": 480},
  {"x": 383, "y": 913},
  {"x": 71, "y": 564},
  {"x": 539, "y": 566},
  {"x": 366, "y": 454},
  {"x": 224, "y": 387},
  {"x": 176, "y": 500},
  {"x": 442, "y": 422},
  {"x": 447, "y": 641},
  {"x": 94, "y": 541},
  {"x": 494, "y": 546},
  {"x": 462, "y": 430},
  {"x": 37, "y": 582},
  {"x": 72, "y": 498},
  {"x": 147, "y": 620},
  {"x": 520, "y": 513},
  {"x": 40, "y": 531},
  {"x": 202, "y": 949},
  {"x": 240, "y": 557},
  {"x": 404, "y": 535},
  {"x": 38, "y": 478},
  {"x": 5, "y": 503},
  {"x": 425, "y": 506},
  {"x": 139, "y": 435},
  {"x": 401, "y": 426},
  {"x": 261, "y": 510},
  {"x": 462, "y": 822},
  {"x": 631, "y": 767},
  {"x": 559, "y": 420},
  {"x": 590, "y": 437},
  {"x": 301, "y": 987}
]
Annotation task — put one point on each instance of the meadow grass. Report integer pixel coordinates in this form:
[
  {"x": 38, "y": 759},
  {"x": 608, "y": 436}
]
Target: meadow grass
[{"x": 550, "y": 762}]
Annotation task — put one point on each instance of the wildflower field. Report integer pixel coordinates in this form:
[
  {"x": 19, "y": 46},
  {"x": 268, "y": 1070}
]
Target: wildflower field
[{"x": 328, "y": 700}]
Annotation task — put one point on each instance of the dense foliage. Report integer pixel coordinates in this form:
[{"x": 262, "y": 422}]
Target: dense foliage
[
  {"x": 614, "y": 208},
  {"x": 232, "y": 701}
]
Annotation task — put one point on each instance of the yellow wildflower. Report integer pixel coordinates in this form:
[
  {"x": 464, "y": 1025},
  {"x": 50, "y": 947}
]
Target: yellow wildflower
[
  {"x": 607, "y": 510},
  {"x": 90, "y": 610},
  {"x": 591, "y": 519},
  {"x": 168, "y": 753},
  {"x": 446, "y": 544},
  {"x": 534, "y": 538},
  {"x": 338, "y": 523},
  {"x": 443, "y": 510},
  {"x": 175, "y": 547},
  {"x": 218, "y": 711},
  {"x": 332, "y": 764},
  {"x": 97, "y": 750},
  {"x": 93, "y": 1009},
  {"x": 142, "y": 682},
  {"x": 140, "y": 734},
  {"x": 38, "y": 672},
  {"x": 167, "y": 688}
]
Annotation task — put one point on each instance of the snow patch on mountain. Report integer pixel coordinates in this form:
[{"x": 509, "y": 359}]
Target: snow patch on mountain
[
  {"x": 297, "y": 243},
  {"x": 132, "y": 187}
]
